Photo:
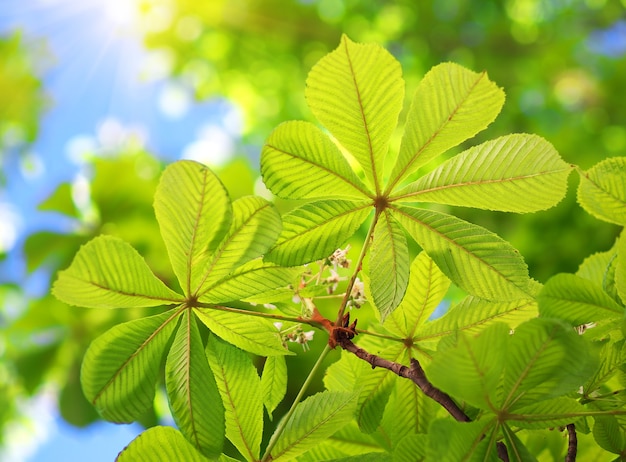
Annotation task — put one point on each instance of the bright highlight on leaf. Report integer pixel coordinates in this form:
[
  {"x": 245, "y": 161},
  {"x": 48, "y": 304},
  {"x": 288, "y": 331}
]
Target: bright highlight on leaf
[{"x": 602, "y": 190}]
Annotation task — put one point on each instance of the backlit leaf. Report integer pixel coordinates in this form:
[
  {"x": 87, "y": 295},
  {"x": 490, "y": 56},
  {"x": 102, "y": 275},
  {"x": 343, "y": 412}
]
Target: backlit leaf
[
  {"x": 274, "y": 382},
  {"x": 451, "y": 104},
  {"x": 576, "y": 300},
  {"x": 515, "y": 173},
  {"x": 108, "y": 273},
  {"x": 356, "y": 92},
  {"x": 388, "y": 265},
  {"x": 608, "y": 435},
  {"x": 160, "y": 444},
  {"x": 315, "y": 419},
  {"x": 602, "y": 190},
  {"x": 452, "y": 441},
  {"x": 256, "y": 335},
  {"x": 239, "y": 386},
  {"x": 299, "y": 161},
  {"x": 316, "y": 230},
  {"x": 515, "y": 448},
  {"x": 555, "y": 412},
  {"x": 121, "y": 367},
  {"x": 193, "y": 395},
  {"x": 620, "y": 268},
  {"x": 193, "y": 210},
  {"x": 474, "y": 258}
]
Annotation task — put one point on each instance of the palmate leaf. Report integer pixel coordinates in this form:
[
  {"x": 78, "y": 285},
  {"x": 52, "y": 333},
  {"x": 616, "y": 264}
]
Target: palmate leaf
[
  {"x": 602, "y": 190},
  {"x": 316, "y": 230},
  {"x": 121, "y": 367},
  {"x": 314, "y": 420},
  {"x": 427, "y": 287},
  {"x": 160, "y": 444},
  {"x": 254, "y": 229},
  {"x": 108, "y": 273},
  {"x": 452, "y": 441},
  {"x": 475, "y": 259},
  {"x": 451, "y": 104},
  {"x": 515, "y": 173},
  {"x": 193, "y": 395},
  {"x": 388, "y": 265},
  {"x": 545, "y": 414},
  {"x": 576, "y": 300},
  {"x": 256, "y": 335},
  {"x": 299, "y": 161},
  {"x": 239, "y": 386},
  {"x": 515, "y": 448},
  {"x": 546, "y": 359},
  {"x": 471, "y": 370},
  {"x": 194, "y": 211},
  {"x": 356, "y": 92}
]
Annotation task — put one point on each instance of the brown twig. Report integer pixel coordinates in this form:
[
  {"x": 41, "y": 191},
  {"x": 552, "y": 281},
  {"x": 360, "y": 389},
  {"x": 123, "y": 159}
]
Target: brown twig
[{"x": 572, "y": 443}]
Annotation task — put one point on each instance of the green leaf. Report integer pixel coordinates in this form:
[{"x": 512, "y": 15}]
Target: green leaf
[
  {"x": 602, "y": 190},
  {"x": 250, "y": 279},
  {"x": 374, "y": 389},
  {"x": 192, "y": 393},
  {"x": 61, "y": 201},
  {"x": 515, "y": 173},
  {"x": 608, "y": 434},
  {"x": 620, "y": 268},
  {"x": 452, "y": 441},
  {"x": 256, "y": 335},
  {"x": 356, "y": 92},
  {"x": 121, "y": 367},
  {"x": 555, "y": 412},
  {"x": 315, "y": 230},
  {"x": 299, "y": 161},
  {"x": 388, "y": 265},
  {"x": 470, "y": 371},
  {"x": 515, "y": 448},
  {"x": 474, "y": 258},
  {"x": 160, "y": 444},
  {"x": 473, "y": 314},
  {"x": 239, "y": 386},
  {"x": 427, "y": 287},
  {"x": 193, "y": 210},
  {"x": 369, "y": 457},
  {"x": 576, "y": 300},
  {"x": 612, "y": 357},
  {"x": 314, "y": 419},
  {"x": 546, "y": 359},
  {"x": 413, "y": 447},
  {"x": 451, "y": 104},
  {"x": 108, "y": 273},
  {"x": 254, "y": 228},
  {"x": 274, "y": 382},
  {"x": 595, "y": 267}
]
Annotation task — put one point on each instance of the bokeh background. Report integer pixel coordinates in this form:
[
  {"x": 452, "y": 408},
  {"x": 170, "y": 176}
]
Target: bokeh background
[{"x": 96, "y": 96}]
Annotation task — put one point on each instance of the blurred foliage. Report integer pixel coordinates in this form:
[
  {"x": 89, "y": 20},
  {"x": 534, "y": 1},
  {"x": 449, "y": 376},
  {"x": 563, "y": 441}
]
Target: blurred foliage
[
  {"x": 22, "y": 99},
  {"x": 555, "y": 59},
  {"x": 562, "y": 77}
]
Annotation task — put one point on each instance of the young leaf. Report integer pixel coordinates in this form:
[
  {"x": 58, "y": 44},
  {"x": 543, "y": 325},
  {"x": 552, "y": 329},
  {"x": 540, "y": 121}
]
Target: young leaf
[
  {"x": 254, "y": 229},
  {"x": 248, "y": 280},
  {"x": 451, "y": 104},
  {"x": 121, "y": 367},
  {"x": 388, "y": 265},
  {"x": 192, "y": 393},
  {"x": 515, "y": 173},
  {"x": 273, "y": 382},
  {"x": 475, "y": 259},
  {"x": 427, "y": 287},
  {"x": 356, "y": 92},
  {"x": 160, "y": 444},
  {"x": 108, "y": 273},
  {"x": 256, "y": 335},
  {"x": 314, "y": 420},
  {"x": 193, "y": 210},
  {"x": 546, "y": 359},
  {"x": 471, "y": 370},
  {"x": 239, "y": 386},
  {"x": 576, "y": 300},
  {"x": 602, "y": 191},
  {"x": 299, "y": 161},
  {"x": 316, "y": 230}
]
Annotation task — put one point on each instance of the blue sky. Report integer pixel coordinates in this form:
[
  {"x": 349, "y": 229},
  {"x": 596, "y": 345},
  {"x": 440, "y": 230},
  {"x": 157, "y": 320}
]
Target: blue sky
[{"x": 104, "y": 88}]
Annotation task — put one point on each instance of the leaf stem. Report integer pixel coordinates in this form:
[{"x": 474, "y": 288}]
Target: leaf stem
[
  {"x": 298, "y": 398},
  {"x": 357, "y": 269}
]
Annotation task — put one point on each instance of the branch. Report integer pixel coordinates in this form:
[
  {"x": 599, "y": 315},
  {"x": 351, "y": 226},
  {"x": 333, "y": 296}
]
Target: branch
[{"x": 572, "y": 444}]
